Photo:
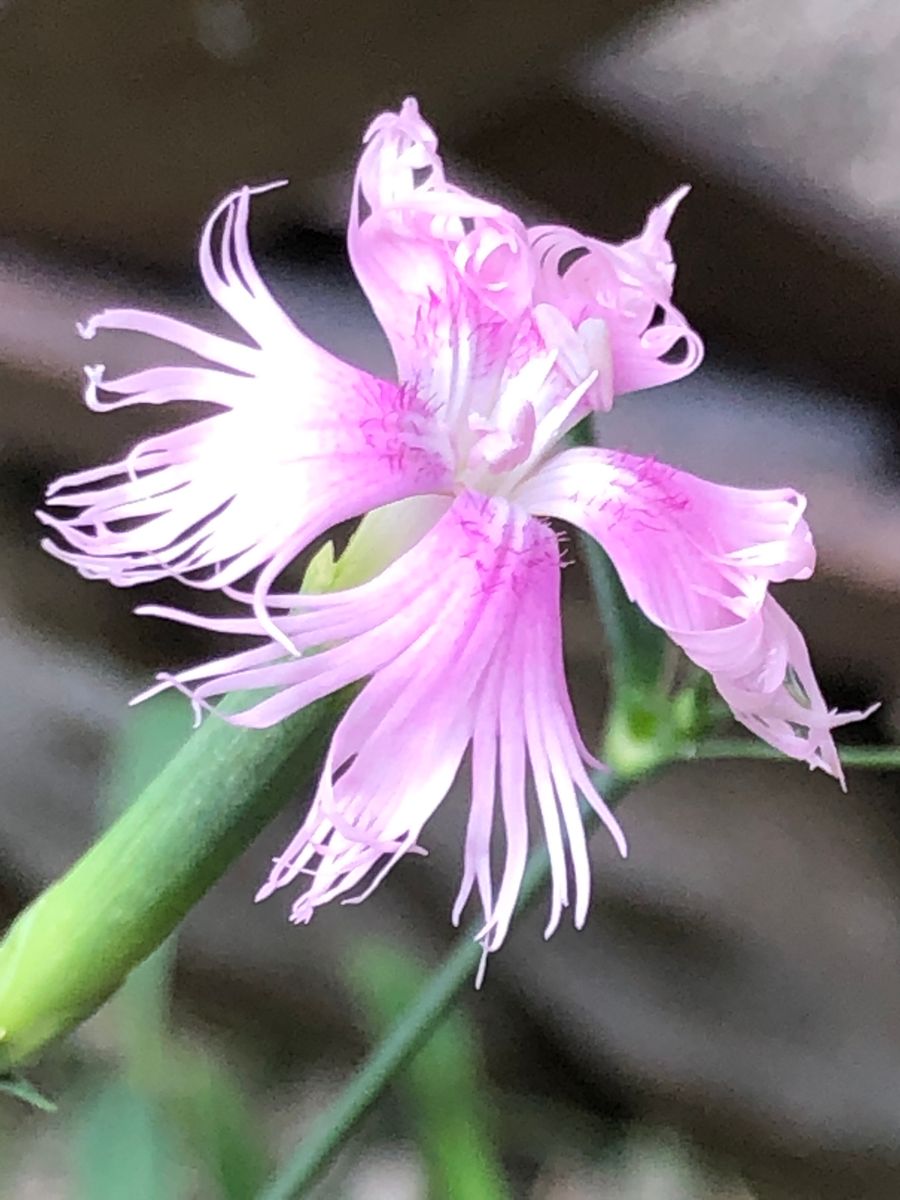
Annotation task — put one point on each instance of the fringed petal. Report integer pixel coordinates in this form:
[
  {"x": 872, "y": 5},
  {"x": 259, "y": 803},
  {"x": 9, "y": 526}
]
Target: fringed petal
[
  {"x": 460, "y": 641},
  {"x": 447, "y": 273},
  {"x": 247, "y": 488},
  {"x": 452, "y": 279},
  {"x": 233, "y": 281},
  {"x": 300, "y": 442},
  {"x": 763, "y": 671},
  {"x": 698, "y": 558},
  {"x": 629, "y": 288}
]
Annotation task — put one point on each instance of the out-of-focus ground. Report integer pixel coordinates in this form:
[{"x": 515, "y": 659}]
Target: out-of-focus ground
[{"x": 735, "y": 998}]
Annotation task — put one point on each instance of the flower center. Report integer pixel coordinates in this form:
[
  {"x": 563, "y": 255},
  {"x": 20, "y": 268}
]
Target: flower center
[
  {"x": 496, "y": 453},
  {"x": 513, "y": 389},
  {"x": 498, "y": 448}
]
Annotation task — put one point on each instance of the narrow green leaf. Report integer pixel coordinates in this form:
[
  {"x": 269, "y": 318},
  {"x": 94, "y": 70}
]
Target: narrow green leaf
[
  {"x": 21, "y": 1089},
  {"x": 638, "y": 649},
  {"x": 645, "y": 722}
]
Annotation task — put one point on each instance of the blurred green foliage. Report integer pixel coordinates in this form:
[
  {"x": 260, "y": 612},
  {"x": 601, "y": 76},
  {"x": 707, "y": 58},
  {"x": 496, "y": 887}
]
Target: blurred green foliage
[{"x": 446, "y": 1095}]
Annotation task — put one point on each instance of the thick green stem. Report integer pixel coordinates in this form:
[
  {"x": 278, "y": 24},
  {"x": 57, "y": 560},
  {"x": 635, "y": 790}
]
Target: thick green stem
[
  {"x": 76, "y": 943},
  {"x": 335, "y": 1125}
]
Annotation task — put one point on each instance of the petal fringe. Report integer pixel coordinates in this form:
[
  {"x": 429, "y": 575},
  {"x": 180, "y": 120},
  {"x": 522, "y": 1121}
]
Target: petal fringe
[
  {"x": 460, "y": 641},
  {"x": 627, "y": 286},
  {"x": 300, "y": 442},
  {"x": 432, "y": 258},
  {"x": 698, "y": 558}
]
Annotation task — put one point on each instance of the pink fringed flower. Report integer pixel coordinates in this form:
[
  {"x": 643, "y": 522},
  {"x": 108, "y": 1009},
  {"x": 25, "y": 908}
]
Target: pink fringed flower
[{"x": 504, "y": 337}]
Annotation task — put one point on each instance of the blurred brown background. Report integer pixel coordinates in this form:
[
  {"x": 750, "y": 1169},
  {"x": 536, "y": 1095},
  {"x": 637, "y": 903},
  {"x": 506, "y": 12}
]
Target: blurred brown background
[{"x": 738, "y": 981}]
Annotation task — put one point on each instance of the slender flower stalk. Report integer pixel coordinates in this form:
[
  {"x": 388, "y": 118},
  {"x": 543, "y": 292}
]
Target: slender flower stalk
[
  {"x": 871, "y": 758},
  {"x": 504, "y": 338}
]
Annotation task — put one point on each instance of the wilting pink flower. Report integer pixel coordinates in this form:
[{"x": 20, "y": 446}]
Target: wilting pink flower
[{"x": 503, "y": 337}]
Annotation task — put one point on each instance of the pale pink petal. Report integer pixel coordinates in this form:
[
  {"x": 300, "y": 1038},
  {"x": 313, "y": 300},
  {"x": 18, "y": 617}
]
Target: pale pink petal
[
  {"x": 232, "y": 280},
  {"x": 698, "y": 558},
  {"x": 432, "y": 258},
  {"x": 451, "y": 278},
  {"x": 300, "y": 441},
  {"x": 221, "y": 351},
  {"x": 763, "y": 671},
  {"x": 460, "y": 641},
  {"x": 248, "y": 488},
  {"x": 690, "y": 552},
  {"x": 629, "y": 287}
]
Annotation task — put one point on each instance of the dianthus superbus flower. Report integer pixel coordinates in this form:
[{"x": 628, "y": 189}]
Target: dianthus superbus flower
[{"x": 504, "y": 337}]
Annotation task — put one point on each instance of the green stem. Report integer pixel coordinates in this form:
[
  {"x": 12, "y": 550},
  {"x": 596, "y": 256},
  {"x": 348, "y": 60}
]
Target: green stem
[
  {"x": 77, "y": 942},
  {"x": 637, "y": 648},
  {"x": 334, "y": 1125},
  {"x": 874, "y": 758}
]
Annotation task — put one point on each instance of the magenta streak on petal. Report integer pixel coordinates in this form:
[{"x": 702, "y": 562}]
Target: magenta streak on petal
[
  {"x": 424, "y": 249},
  {"x": 460, "y": 642},
  {"x": 699, "y": 558},
  {"x": 305, "y": 442}
]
